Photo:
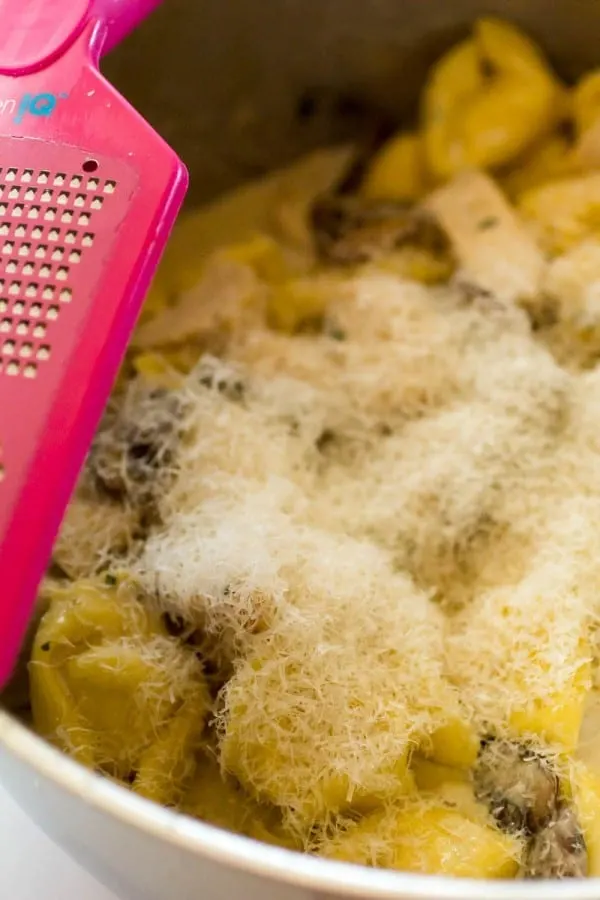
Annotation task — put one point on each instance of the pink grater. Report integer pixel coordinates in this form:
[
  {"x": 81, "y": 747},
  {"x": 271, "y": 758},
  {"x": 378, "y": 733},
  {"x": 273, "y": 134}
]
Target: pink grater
[{"x": 88, "y": 195}]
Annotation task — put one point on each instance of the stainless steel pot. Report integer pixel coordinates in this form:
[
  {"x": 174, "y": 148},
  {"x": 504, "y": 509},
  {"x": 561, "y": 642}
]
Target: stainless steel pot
[{"x": 240, "y": 86}]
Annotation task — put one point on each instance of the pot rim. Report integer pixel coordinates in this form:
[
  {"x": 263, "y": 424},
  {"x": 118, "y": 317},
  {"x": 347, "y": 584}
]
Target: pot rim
[{"x": 254, "y": 858}]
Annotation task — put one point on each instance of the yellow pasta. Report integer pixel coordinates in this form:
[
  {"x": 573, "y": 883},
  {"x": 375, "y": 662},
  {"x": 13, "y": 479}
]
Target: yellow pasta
[
  {"x": 557, "y": 719},
  {"x": 545, "y": 162},
  {"x": 564, "y": 212},
  {"x": 586, "y": 101},
  {"x": 472, "y": 118},
  {"x": 452, "y": 84},
  {"x": 109, "y": 686},
  {"x": 428, "y": 839},
  {"x": 398, "y": 170}
]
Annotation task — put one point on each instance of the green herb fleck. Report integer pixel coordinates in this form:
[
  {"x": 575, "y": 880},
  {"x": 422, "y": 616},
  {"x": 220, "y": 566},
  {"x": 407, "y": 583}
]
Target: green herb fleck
[
  {"x": 486, "y": 224},
  {"x": 45, "y": 647},
  {"x": 336, "y": 334},
  {"x": 110, "y": 579}
]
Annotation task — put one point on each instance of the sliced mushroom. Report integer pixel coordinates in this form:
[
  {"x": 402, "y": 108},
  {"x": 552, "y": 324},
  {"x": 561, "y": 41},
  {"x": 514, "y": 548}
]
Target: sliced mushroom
[
  {"x": 558, "y": 850},
  {"x": 518, "y": 785},
  {"x": 133, "y": 455},
  {"x": 350, "y": 230}
]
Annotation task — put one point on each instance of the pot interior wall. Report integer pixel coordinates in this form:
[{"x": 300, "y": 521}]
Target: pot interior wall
[{"x": 241, "y": 86}]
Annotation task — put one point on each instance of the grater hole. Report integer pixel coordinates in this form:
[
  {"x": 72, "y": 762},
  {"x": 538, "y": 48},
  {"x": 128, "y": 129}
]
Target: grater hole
[
  {"x": 11, "y": 174},
  {"x": 84, "y": 219},
  {"x": 63, "y": 198},
  {"x": 22, "y": 328},
  {"x": 43, "y": 177},
  {"x": 19, "y": 208},
  {"x": 27, "y": 176},
  {"x": 8, "y": 247},
  {"x": 41, "y": 251},
  {"x": 57, "y": 254},
  {"x": 26, "y": 350},
  {"x": 71, "y": 237},
  {"x": 24, "y": 249},
  {"x": 51, "y": 214},
  {"x": 67, "y": 216},
  {"x": 18, "y": 308},
  {"x": 5, "y": 326},
  {"x": 15, "y": 287},
  {"x": 80, "y": 200},
  {"x": 12, "y": 266},
  {"x": 43, "y": 352},
  {"x": 62, "y": 273},
  {"x": 37, "y": 233},
  {"x": 87, "y": 240},
  {"x": 20, "y": 231},
  {"x": 59, "y": 179},
  {"x": 93, "y": 184},
  {"x": 14, "y": 192},
  {"x": 47, "y": 196},
  {"x": 54, "y": 234},
  {"x": 110, "y": 187},
  {"x": 12, "y": 368},
  {"x": 28, "y": 269},
  {"x": 97, "y": 202},
  {"x": 76, "y": 181},
  {"x": 75, "y": 256},
  {"x": 30, "y": 370},
  {"x": 48, "y": 292},
  {"x": 45, "y": 271},
  {"x": 39, "y": 331},
  {"x": 66, "y": 295},
  {"x": 52, "y": 312},
  {"x": 31, "y": 290},
  {"x": 90, "y": 165},
  {"x": 8, "y": 348},
  {"x": 30, "y": 194},
  {"x": 36, "y": 311}
]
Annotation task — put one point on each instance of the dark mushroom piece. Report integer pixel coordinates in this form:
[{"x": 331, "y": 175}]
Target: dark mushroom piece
[
  {"x": 379, "y": 131},
  {"x": 518, "y": 785},
  {"x": 558, "y": 850},
  {"x": 350, "y": 230},
  {"x": 133, "y": 457},
  {"x": 522, "y": 792}
]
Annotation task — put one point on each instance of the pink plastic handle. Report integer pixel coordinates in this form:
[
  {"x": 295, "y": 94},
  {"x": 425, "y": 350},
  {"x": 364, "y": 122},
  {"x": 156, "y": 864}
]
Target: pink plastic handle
[
  {"x": 121, "y": 17},
  {"x": 35, "y": 32}
]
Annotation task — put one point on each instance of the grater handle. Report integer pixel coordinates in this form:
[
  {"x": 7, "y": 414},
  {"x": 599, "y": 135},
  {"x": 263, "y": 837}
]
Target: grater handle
[{"x": 121, "y": 17}]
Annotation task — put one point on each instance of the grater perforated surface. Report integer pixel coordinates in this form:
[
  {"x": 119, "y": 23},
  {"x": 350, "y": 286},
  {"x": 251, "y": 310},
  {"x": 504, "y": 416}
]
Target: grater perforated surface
[
  {"x": 47, "y": 222},
  {"x": 57, "y": 224}
]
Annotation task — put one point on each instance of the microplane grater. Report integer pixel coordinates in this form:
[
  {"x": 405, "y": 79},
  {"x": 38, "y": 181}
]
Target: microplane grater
[{"x": 88, "y": 195}]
